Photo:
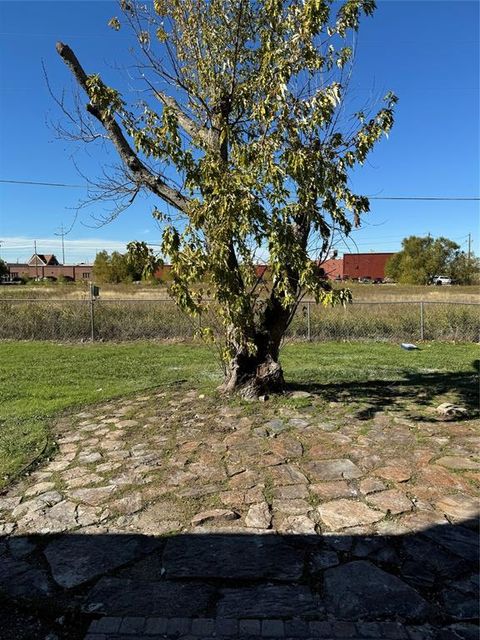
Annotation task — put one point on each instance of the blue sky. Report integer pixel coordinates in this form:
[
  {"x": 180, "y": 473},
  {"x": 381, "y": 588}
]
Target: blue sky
[{"x": 426, "y": 52}]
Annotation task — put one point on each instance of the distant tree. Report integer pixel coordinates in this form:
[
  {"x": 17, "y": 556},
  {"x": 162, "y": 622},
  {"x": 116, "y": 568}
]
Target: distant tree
[
  {"x": 422, "y": 258},
  {"x": 466, "y": 270},
  {"x": 102, "y": 267},
  {"x": 242, "y": 129},
  {"x": 120, "y": 271},
  {"x": 141, "y": 260},
  {"x": 3, "y": 269}
]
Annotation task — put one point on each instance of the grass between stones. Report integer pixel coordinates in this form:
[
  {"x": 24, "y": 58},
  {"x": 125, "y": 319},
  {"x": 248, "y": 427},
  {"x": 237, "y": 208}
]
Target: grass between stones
[{"x": 39, "y": 381}]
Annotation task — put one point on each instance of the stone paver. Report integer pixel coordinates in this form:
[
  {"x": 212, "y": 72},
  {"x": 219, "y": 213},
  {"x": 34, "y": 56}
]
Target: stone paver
[{"x": 179, "y": 514}]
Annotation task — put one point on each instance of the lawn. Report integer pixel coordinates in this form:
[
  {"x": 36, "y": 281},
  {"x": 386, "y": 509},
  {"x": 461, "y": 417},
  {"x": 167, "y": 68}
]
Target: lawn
[{"x": 39, "y": 380}]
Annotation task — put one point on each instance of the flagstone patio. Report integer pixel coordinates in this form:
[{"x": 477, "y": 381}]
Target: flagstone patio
[{"x": 174, "y": 505}]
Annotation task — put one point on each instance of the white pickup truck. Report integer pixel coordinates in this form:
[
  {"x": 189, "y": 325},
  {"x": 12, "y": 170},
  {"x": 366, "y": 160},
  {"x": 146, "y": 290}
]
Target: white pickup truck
[{"x": 439, "y": 280}]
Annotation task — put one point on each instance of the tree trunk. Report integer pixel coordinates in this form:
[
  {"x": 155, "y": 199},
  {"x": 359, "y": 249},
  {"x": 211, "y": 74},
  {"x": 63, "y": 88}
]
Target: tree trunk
[{"x": 259, "y": 373}]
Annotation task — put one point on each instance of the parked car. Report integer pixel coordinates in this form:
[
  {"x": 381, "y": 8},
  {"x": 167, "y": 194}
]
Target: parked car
[{"x": 440, "y": 280}]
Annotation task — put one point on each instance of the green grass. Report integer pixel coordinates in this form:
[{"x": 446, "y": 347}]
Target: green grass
[{"x": 38, "y": 380}]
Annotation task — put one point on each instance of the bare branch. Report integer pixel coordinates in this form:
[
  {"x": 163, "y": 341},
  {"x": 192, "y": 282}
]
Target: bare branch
[{"x": 143, "y": 177}]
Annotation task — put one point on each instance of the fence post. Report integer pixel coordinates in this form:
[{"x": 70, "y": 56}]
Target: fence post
[
  {"x": 309, "y": 328},
  {"x": 92, "y": 314},
  {"x": 422, "y": 321}
]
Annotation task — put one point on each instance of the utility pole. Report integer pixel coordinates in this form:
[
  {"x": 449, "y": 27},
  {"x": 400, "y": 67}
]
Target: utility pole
[
  {"x": 469, "y": 246},
  {"x": 36, "y": 259},
  {"x": 62, "y": 234}
]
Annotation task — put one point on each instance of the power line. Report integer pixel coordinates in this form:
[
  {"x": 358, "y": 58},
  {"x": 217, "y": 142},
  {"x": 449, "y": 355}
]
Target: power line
[
  {"x": 422, "y": 198},
  {"x": 84, "y": 186},
  {"x": 45, "y": 184}
]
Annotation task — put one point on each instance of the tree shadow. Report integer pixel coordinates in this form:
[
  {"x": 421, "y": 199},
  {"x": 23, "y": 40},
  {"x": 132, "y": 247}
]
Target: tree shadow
[
  {"x": 62, "y": 583},
  {"x": 414, "y": 388}
]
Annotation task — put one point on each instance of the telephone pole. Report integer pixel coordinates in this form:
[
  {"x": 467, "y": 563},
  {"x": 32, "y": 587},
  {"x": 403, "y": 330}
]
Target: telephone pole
[
  {"x": 62, "y": 234},
  {"x": 469, "y": 246},
  {"x": 36, "y": 259}
]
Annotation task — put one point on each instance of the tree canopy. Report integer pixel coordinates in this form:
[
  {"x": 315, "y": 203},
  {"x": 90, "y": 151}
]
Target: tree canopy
[
  {"x": 139, "y": 263},
  {"x": 242, "y": 131},
  {"x": 422, "y": 258},
  {"x": 3, "y": 268}
]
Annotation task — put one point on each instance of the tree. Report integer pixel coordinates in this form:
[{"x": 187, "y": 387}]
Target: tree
[
  {"x": 142, "y": 262},
  {"x": 139, "y": 263},
  {"x": 241, "y": 131},
  {"x": 102, "y": 267},
  {"x": 4, "y": 271},
  {"x": 423, "y": 258}
]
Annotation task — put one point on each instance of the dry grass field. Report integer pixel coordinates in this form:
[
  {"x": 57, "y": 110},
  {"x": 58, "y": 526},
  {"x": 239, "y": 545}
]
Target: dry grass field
[{"x": 361, "y": 292}]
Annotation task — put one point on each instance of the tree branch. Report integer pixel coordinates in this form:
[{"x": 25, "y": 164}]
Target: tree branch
[{"x": 142, "y": 175}]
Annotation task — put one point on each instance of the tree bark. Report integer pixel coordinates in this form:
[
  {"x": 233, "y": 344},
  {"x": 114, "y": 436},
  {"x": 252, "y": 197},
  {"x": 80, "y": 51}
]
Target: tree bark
[{"x": 260, "y": 373}]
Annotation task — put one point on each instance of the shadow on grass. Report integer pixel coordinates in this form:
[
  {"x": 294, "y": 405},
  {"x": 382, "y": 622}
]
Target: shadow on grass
[
  {"x": 61, "y": 583},
  {"x": 414, "y": 388}
]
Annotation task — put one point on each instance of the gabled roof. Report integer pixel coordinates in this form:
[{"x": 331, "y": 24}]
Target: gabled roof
[{"x": 43, "y": 259}]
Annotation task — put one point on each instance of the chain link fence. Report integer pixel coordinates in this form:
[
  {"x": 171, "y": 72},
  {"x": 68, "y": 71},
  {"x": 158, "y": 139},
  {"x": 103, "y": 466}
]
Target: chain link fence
[{"x": 160, "y": 319}]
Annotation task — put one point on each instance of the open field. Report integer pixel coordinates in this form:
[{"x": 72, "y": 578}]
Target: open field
[
  {"x": 40, "y": 380},
  {"x": 361, "y": 292},
  {"x": 155, "y": 319}
]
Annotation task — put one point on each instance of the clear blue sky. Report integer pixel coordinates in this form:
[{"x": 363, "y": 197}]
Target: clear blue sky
[{"x": 426, "y": 52}]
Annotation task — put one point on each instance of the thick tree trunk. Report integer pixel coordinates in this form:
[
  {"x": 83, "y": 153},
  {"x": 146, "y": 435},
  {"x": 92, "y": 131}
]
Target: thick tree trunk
[
  {"x": 260, "y": 373},
  {"x": 253, "y": 376}
]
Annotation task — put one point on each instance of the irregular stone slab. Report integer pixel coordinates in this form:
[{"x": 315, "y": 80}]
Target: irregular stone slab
[
  {"x": 60, "y": 517},
  {"x": 370, "y": 485},
  {"x": 259, "y": 516},
  {"x": 292, "y": 507},
  {"x": 326, "y": 470},
  {"x": 41, "y": 487},
  {"x": 331, "y": 490},
  {"x": 20, "y": 547},
  {"x": 107, "y": 466},
  {"x": 84, "y": 480},
  {"x": 398, "y": 473},
  {"x": 88, "y": 458},
  {"x": 159, "y": 518},
  {"x": 457, "y": 539},
  {"x": 42, "y": 501},
  {"x": 391, "y": 501},
  {"x": 298, "y": 423},
  {"x": 75, "y": 559},
  {"x": 214, "y": 516},
  {"x": 459, "y": 507},
  {"x": 6, "y": 504},
  {"x": 441, "y": 562},
  {"x": 18, "y": 579},
  {"x": 291, "y": 492},
  {"x": 218, "y": 556},
  {"x": 323, "y": 560},
  {"x": 347, "y": 513},
  {"x": 244, "y": 480},
  {"x": 93, "y": 496},
  {"x": 287, "y": 474},
  {"x": 359, "y": 590},
  {"x": 461, "y": 606},
  {"x": 268, "y": 602},
  {"x": 7, "y": 528},
  {"x": 296, "y": 525},
  {"x": 86, "y": 516},
  {"x": 131, "y": 503},
  {"x": 286, "y": 448},
  {"x": 123, "y": 597},
  {"x": 275, "y": 427},
  {"x": 57, "y": 465},
  {"x": 458, "y": 463}
]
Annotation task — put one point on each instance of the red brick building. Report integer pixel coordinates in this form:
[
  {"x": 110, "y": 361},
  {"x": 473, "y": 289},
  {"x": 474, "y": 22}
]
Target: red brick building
[
  {"x": 42, "y": 266},
  {"x": 357, "y": 265}
]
